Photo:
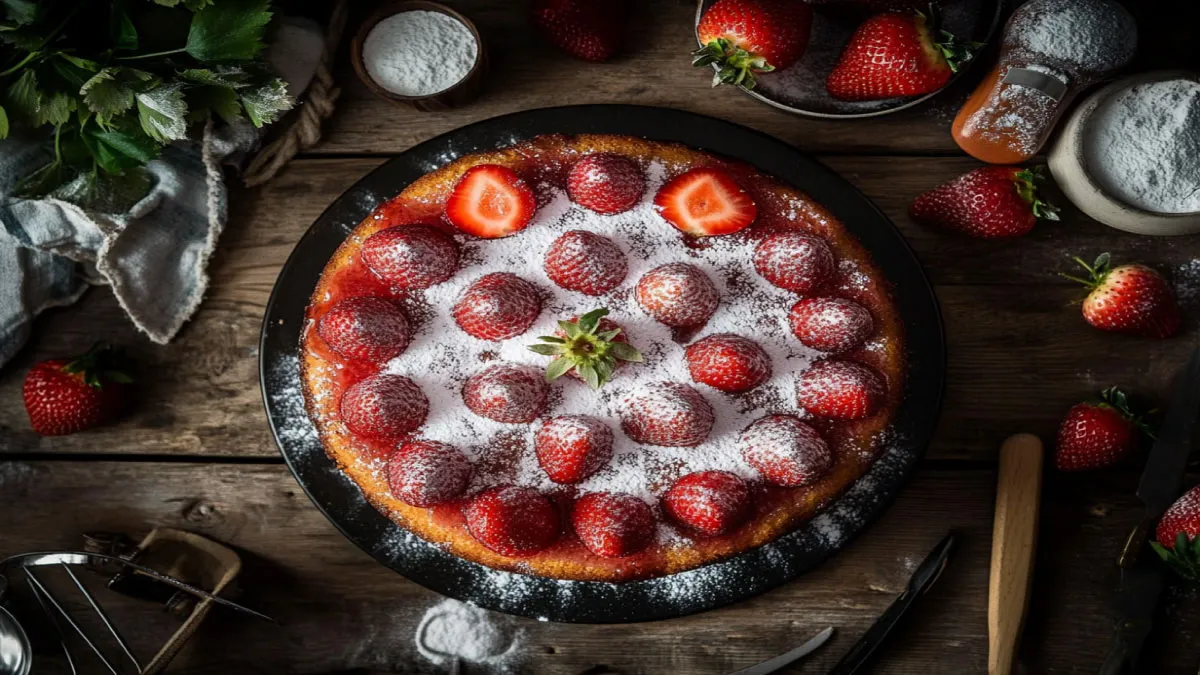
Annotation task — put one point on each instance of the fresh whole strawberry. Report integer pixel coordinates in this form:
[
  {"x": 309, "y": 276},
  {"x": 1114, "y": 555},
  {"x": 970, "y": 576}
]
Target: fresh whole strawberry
[
  {"x": 589, "y": 30},
  {"x": 585, "y": 262},
  {"x": 512, "y": 521},
  {"x": 710, "y": 503},
  {"x": 669, "y": 414},
  {"x": 1130, "y": 299},
  {"x": 992, "y": 202},
  {"x": 1178, "y": 536},
  {"x": 678, "y": 295},
  {"x": 491, "y": 201},
  {"x": 384, "y": 407},
  {"x": 1096, "y": 435},
  {"x": 831, "y": 325},
  {"x": 411, "y": 256},
  {"x": 589, "y": 347},
  {"x": 744, "y": 37},
  {"x": 365, "y": 329},
  {"x": 497, "y": 306},
  {"x": 570, "y": 448},
  {"x": 896, "y": 54},
  {"x": 606, "y": 183},
  {"x": 427, "y": 473},
  {"x": 65, "y": 396},
  {"x": 506, "y": 393},
  {"x": 785, "y": 450},
  {"x": 795, "y": 262},
  {"x": 613, "y": 524},
  {"x": 705, "y": 202},
  {"x": 840, "y": 390},
  {"x": 728, "y": 362}
]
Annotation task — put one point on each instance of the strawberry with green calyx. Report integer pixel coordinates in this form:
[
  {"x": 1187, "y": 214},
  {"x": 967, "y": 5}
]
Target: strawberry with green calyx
[
  {"x": 1097, "y": 435},
  {"x": 991, "y": 202},
  {"x": 65, "y": 396},
  {"x": 1129, "y": 298},
  {"x": 897, "y": 54},
  {"x": 1178, "y": 536},
  {"x": 591, "y": 346},
  {"x": 744, "y": 37}
]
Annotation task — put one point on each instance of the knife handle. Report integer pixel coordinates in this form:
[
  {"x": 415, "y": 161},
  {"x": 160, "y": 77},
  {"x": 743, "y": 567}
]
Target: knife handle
[{"x": 1014, "y": 536}]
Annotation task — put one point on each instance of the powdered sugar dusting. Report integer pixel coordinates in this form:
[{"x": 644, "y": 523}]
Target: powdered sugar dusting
[
  {"x": 453, "y": 629},
  {"x": 442, "y": 357},
  {"x": 1087, "y": 35},
  {"x": 1143, "y": 146}
]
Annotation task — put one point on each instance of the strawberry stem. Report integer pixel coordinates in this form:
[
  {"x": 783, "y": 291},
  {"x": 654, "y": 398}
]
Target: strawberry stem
[
  {"x": 1026, "y": 181},
  {"x": 1116, "y": 399},
  {"x": 592, "y": 353},
  {"x": 1097, "y": 271},
  {"x": 735, "y": 65},
  {"x": 102, "y": 363},
  {"x": 1183, "y": 557},
  {"x": 954, "y": 51}
]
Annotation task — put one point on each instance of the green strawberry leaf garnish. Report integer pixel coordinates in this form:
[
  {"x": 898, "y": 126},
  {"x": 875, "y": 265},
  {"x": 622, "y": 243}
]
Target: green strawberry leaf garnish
[
  {"x": 735, "y": 65},
  {"x": 1027, "y": 181},
  {"x": 99, "y": 365},
  {"x": 1097, "y": 272},
  {"x": 1183, "y": 558},
  {"x": 954, "y": 51},
  {"x": 593, "y": 354}
]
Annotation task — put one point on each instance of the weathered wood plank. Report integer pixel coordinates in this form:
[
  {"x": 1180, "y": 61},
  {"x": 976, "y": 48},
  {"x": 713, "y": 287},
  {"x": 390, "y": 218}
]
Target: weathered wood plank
[
  {"x": 1019, "y": 352},
  {"x": 340, "y": 610},
  {"x": 656, "y": 70}
]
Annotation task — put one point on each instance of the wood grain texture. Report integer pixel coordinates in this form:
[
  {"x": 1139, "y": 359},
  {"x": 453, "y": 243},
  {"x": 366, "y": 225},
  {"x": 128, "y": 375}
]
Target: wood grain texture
[
  {"x": 655, "y": 69},
  {"x": 1014, "y": 537},
  {"x": 341, "y": 610},
  {"x": 1020, "y": 353}
]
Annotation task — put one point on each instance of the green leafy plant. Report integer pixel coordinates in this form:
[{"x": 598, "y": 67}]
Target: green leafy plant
[{"x": 110, "y": 82}]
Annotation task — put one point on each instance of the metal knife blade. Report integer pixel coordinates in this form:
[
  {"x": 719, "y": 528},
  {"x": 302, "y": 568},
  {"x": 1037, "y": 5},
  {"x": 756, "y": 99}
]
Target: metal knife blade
[
  {"x": 920, "y": 582},
  {"x": 1143, "y": 577},
  {"x": 775, "y": 664},
  {"x": 1162, "y": 479}
]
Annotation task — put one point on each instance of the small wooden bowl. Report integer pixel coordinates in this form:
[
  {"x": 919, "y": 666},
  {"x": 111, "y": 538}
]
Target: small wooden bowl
[{"x": 462, "y": 92}]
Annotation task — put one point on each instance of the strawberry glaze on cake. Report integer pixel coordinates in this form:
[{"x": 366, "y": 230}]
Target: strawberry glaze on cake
[{"x": 440, "y": 357}]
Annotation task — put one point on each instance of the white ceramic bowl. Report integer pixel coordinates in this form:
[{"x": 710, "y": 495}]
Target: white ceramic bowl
[{"x": 1069, "y": 167}]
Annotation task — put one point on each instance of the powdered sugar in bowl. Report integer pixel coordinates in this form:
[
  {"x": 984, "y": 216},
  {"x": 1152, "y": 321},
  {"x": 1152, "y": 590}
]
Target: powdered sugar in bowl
[
  {"x": 1129, "y": 155},
  {"x": 420, "y": 54}
]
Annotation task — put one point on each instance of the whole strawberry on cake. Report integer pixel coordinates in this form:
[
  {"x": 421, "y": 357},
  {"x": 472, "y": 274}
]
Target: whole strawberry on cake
[{"x": 601, "y": 358}]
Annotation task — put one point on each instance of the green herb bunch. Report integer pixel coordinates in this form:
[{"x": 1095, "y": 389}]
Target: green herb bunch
[{"x": 113, "y": 81}]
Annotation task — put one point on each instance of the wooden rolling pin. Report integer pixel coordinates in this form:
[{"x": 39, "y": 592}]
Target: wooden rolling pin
[{"x": 1014, "y": 536}]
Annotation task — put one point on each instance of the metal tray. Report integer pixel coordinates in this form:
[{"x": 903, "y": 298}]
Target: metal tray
[{"x": 800, "y": 88}]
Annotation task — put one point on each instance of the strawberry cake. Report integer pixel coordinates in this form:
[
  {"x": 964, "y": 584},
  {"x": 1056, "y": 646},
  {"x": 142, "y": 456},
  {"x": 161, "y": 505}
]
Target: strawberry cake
[{"x": 601, "y": 358}]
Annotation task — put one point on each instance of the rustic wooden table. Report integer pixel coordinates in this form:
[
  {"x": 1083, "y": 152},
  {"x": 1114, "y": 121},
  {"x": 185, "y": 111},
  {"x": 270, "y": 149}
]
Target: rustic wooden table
[{"x": 197, "y": 453}]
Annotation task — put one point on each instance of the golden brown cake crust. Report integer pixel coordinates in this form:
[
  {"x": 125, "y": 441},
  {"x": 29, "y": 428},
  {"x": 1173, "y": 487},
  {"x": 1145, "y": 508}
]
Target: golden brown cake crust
[{"x": 778, "y": 510}]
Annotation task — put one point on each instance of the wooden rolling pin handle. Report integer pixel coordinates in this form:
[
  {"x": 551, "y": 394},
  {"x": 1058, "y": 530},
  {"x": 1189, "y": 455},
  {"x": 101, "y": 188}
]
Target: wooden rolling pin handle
[{"x": 1014, "y": 537}]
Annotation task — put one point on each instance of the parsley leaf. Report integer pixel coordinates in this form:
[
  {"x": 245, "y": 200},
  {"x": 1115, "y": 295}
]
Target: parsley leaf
[
  {"x": 222, "y": 101},
  {"x": 231, "y": 31},
  {"x": 22, "y": 12},
  {"x": 266, "y": 102},
  {"x": 111, "y": 91},
  {"x": 3, "y": 123},
  {"x": 119, "y": 148},
  {"x": 23, "y": 98},
  {"x": 232, "y": 77},
  {"x": 124, "y": 33},
  {"x": 163, "y": 113}
]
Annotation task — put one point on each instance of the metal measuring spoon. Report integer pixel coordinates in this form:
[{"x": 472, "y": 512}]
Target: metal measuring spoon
[{"x": 16, "y": 654}]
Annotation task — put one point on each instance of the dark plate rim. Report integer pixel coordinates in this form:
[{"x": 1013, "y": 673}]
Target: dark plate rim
[
  {"x": 903, "y": 103},
  {"x": 731, "y": 580}
]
